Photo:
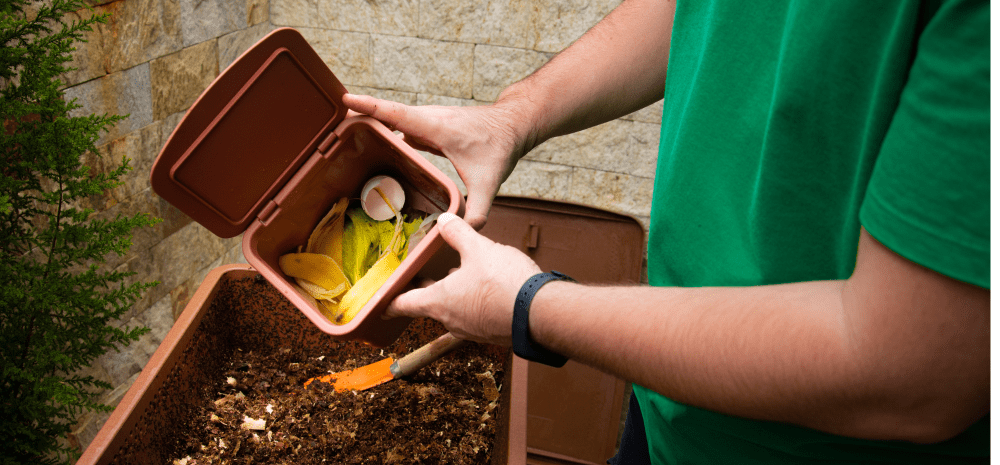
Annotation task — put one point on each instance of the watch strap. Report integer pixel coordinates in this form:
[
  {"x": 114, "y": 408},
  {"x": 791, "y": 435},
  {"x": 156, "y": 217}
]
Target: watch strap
[{"x": 524, "y": 346}]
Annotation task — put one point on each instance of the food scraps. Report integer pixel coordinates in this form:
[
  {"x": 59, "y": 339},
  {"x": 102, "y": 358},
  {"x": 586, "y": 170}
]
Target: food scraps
[{"x": 349, "y": 256}]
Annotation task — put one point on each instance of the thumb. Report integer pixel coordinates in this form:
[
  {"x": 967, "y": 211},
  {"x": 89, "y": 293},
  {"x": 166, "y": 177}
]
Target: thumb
[
  {"x": 458, "y": 234},
  {"x": 411, "y": 303}
]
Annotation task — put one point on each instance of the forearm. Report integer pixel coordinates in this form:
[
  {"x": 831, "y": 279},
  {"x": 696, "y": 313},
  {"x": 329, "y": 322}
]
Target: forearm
[
  {"x": 765, "y": 353},
  {"x": 617, "y": 67},
  {"x": 895, "y": 352}
]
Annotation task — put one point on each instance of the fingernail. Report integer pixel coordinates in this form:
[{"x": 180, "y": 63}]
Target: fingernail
[{"x": 446, "y": 217}]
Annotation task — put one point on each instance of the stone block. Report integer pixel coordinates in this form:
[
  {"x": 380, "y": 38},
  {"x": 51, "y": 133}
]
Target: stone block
[
  {"x": 234, "y": 44},
  {"x": 173, "y": 219},
  {"x": 187, "y": 251},
  {"x": 90, "y": 424},
  {"x": 124, "y": 362},
  {"x": 555, "y": 24},
  {"x": 421, "y": 65},
  {"x": 159, "y": 320},
  {"x": 348, "y": 54},
  {"x": 406, "y": 98},
  {"x": 431, "y": 99},
  {"x": 649, "y": 114},
  {"x": 539, "y": 180},
  {"x": 618, "y": 146},
  {"x": 498, "y": 67},
  {"x": 620, "y": 193},
  {"x": 297, "y": 13},
  {"x": 140, "y": 147},
  {"x": 644, "y": 148},
  {"x": 173, "y": 260},
  {"x": 142, "y": 238},
  {"x": 145, "y": 264},
  {"x": 88, "y": 58},
  {"x": 504, "y": 23},
  {"x": 139, "y": 31},
  {"x": 603, "y": 147},
  {"x": 233, "y": 255},
  {"x": 394, "y": 17},
  {"x": 179, "y": 78},
  {"x": 180, "y": 296},
  {"x": 123, "y": 93},
  {"x": 541, "y": 25},
  {"x": 203, "y": 20},
  {"x": 258, "y": 11}
]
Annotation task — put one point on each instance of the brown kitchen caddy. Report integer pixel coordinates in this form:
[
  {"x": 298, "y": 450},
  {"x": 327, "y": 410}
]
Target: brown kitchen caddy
[{"x": 269, "y": 147}]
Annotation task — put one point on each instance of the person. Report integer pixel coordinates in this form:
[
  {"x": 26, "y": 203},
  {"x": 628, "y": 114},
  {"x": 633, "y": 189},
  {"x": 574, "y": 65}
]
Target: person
[{"x": 818, "y": 252}]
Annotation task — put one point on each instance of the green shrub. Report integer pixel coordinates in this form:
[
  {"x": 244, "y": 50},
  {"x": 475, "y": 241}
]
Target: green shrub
[{"x": 59, "y": 300}]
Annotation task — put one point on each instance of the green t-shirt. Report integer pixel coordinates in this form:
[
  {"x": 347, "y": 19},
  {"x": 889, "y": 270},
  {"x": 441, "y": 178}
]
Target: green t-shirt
[{"x": 787, "y": 126}]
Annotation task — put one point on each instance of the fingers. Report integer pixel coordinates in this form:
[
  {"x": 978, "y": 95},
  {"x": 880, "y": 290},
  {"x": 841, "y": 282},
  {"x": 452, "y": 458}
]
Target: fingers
[
  {"x": 392, "y": 114},
  {"x": 410, "y": 303},
  {"x": 459, "y": 234},
  {"x": 477, "y": 209}
]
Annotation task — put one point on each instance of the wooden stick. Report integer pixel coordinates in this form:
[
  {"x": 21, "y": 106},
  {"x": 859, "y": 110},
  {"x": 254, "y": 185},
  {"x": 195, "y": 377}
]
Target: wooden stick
[{"x": 425, "y": 355}]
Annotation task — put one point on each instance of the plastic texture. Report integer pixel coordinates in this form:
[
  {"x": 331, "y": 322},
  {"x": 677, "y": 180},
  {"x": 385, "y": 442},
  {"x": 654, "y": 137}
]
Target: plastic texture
[
  {"x": 574, "y": 412},
  {"x": 267, "y": 149},
  {"x": 234, "y": 308}
]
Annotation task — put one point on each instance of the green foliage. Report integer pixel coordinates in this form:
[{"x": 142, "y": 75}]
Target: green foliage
[{"x": 58, "y": 300}]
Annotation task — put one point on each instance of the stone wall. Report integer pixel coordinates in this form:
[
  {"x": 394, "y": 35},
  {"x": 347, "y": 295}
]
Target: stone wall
[{"x": 154, "y": 57}]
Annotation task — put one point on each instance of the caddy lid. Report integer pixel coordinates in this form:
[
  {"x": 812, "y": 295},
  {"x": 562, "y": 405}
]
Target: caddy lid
[{"x": 249, "y": 132}]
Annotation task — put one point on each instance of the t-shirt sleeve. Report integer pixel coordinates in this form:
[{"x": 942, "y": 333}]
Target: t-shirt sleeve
[{"x": 929, "y": 195}]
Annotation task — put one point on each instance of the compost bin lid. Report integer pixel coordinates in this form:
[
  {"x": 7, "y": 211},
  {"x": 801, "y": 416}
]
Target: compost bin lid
[{"x": 249, "y": 132}]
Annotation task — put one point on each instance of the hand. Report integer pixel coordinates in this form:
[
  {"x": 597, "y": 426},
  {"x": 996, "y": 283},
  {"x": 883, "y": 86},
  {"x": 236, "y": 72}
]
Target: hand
[
  {"x": 484, "y": 142},
  {"x": 476, "y": 301}
]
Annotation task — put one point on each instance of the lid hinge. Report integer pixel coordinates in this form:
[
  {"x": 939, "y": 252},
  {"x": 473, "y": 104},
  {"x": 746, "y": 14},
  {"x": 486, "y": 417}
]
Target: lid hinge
[
  {"x": 326, "y": 144},
  {"x": 268, "y": 211}
]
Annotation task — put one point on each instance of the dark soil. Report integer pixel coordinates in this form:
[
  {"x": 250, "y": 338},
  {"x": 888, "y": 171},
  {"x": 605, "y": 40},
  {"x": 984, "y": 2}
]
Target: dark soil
[{"x": 260, "y": 413}]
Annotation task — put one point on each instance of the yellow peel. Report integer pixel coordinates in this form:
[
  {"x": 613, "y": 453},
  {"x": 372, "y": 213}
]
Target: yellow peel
[
  {"x": 365, "y": 288},
  {"x": 327, "y": 236},
  {"x": 328, "y": 308},
  {"x": 317, "y": 268},
  {"x": 304, "y": 293},
  {"x": 319, "y": 292}
]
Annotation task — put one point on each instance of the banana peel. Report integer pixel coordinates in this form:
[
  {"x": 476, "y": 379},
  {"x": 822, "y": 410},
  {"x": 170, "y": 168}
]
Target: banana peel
[
  {"x": 327, "y": 237},
  {"x": 317, "y": 269},
  {"x": 361, "y": 243},
  {"x": 348, "y": 257},
  {"x": 356, "y": 298}
]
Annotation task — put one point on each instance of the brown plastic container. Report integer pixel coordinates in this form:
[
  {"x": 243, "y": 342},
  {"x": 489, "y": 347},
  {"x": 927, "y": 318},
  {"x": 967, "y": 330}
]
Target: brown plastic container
[
  {"x": 269, "y": 147},
  {"x": 231, "y": 310},
  {"x": 574, "y": 412}
]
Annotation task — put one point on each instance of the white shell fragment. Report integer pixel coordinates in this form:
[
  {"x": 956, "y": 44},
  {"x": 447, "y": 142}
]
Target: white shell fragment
[
  {"x": 253, "y": 424},
  {"x": 373, "y": 203}
]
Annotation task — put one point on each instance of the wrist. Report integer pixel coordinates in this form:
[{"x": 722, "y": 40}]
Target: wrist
[
  {"x": 521, "y": 113},
  {"x": 522, "y": 339}
]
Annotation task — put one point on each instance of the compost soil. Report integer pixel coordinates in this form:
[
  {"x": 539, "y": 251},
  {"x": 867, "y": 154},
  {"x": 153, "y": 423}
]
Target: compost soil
[{"x": 259, "y": 412}]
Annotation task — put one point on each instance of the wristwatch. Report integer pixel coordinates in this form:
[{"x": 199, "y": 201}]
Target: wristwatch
[{"x": 524, "y": 346}]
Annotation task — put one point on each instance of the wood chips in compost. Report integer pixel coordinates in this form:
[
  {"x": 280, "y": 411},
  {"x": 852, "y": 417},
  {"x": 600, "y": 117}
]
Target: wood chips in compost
[{"x": 260, "y": 413}]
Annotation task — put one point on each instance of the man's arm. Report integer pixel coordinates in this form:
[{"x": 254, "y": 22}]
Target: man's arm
[
  {"x": 895, "y": 352},
  {"x": 617, "y": 67}
]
